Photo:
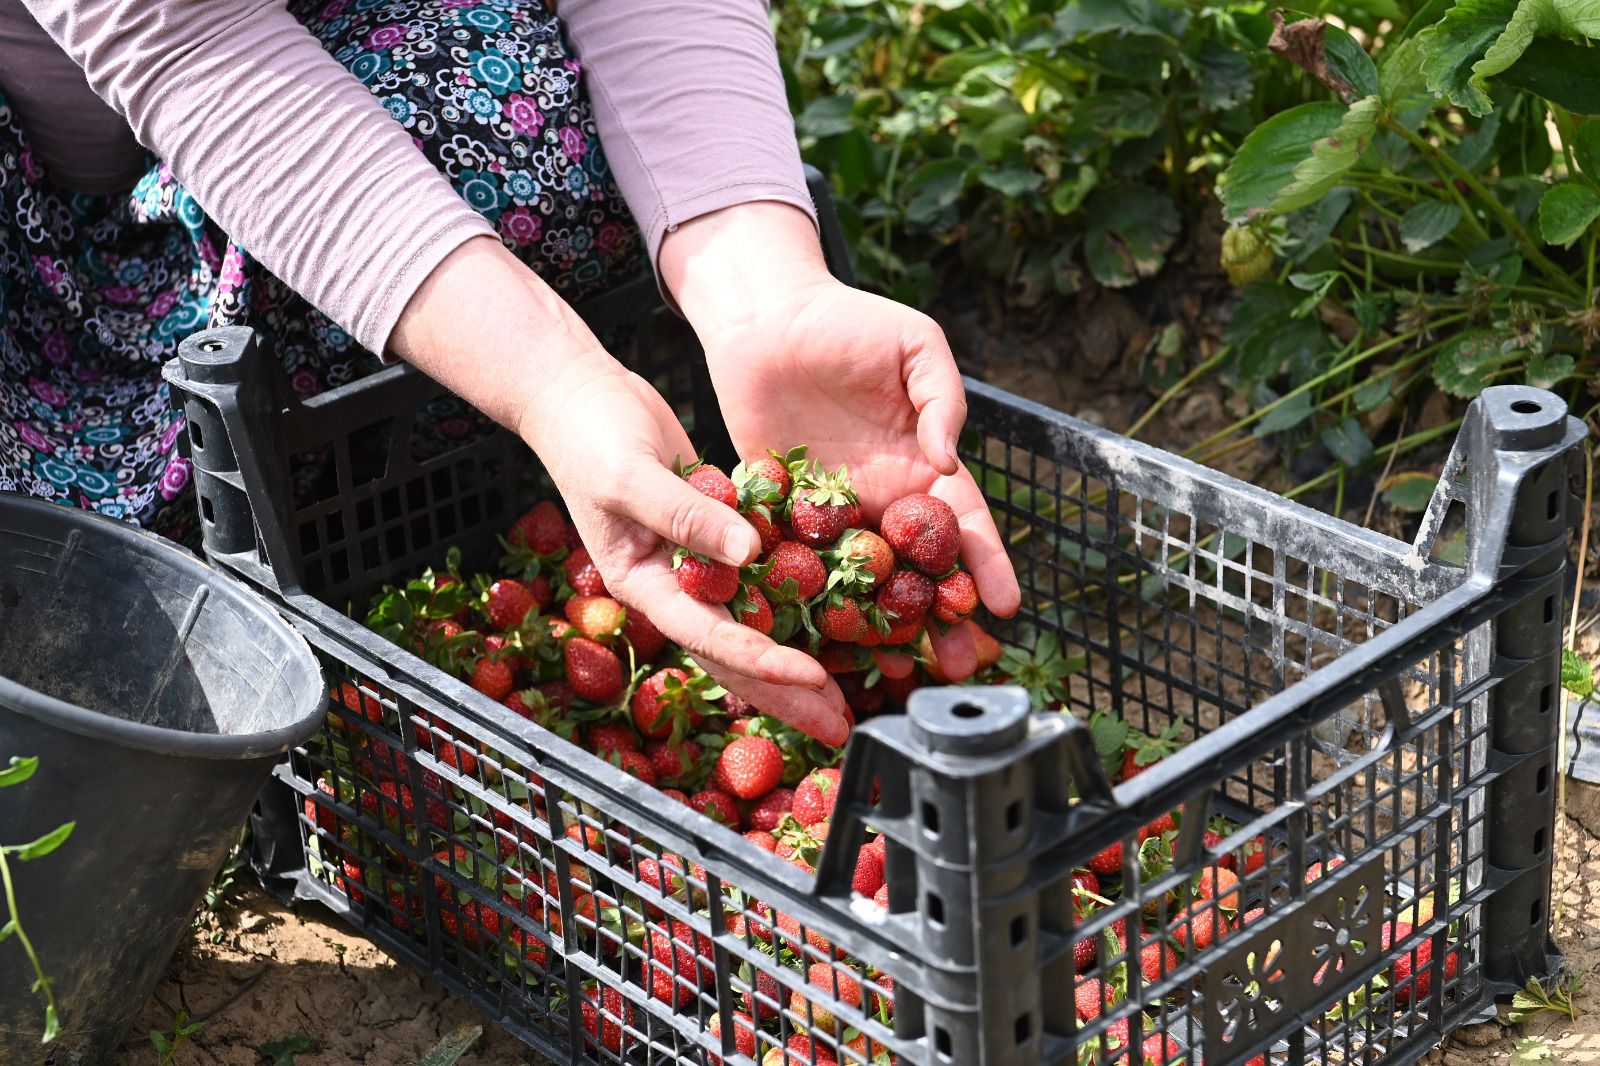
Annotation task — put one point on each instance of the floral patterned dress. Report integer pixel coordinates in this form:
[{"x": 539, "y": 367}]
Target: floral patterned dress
[{"x": 96, "y": 292}]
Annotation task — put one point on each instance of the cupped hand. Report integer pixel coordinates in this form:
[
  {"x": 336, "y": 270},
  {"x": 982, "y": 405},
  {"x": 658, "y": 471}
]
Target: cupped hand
[
  {"x": 609, "y": 442},
  {"x": 869, "y": 383}
]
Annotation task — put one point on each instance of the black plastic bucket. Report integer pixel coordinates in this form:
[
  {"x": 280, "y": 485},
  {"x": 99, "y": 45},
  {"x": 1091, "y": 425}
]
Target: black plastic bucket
[{"x": 156, "y": 694}]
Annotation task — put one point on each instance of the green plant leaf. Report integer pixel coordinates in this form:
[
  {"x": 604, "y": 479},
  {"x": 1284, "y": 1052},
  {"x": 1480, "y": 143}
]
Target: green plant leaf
[
  {"x": 38, "y": 849},
  {"x": 1372, "y": 393},
  {"x": 1538, "y": 18},
  {"x": 1548, "y": 371},
  {"x": 1131, "y": 228},
  {"x": 1286, "y": 415},
  {"x": 19, "y": 771},
  {"x": 1577, "y": 676},
  {"x": 1117, "y": 115},
  {"x": 1350, "y": 61},
  {"x": 1463, "y": 368},
  {"x": 1012, "y": 182},
  {"x": 1266, "y": 160},
  {"x": 1561, "y": 71},
  {"x": 52, "y": 1024},
  {"x": 1224, "y": 75},
  {"x": 1427, "y": 224},
  {"x": 934, "y": 187},
  {"x": 1348, "y": 442},
  {"x": 1586, "y": 149},
  {"x": 282, "y": 1052},
  {"x": 1410, "y": 491},
  {"x": 1265, "y": 334},
  {"x": 1455, "y": 43},
  {"x": 1331, "y": 156},
  {"x": 1067, "y": 197},
  {"x": 1566, "y": 210},
  {"x": 827, "y": 116},
  {"x": 1400, "y": 72},
  {"x": 1530, "y": 1052}
]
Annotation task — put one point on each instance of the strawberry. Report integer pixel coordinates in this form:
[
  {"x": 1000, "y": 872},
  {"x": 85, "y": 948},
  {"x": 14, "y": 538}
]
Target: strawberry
[
  {"x": 674, "y": 762},
  {"x": 1092, "y": 997},
  {"x": 1108, "y": 863},
  {"x": 790, "y": 928},
  {"x": 1216, "y": 832},
  {"x": 1253, "y": 856},
  {"x": 680, "y": 962},
  {"x": 868, "y": 877},
  {"x": 499, "y": 647},
  {"x": 764, "y": 996},
  {"x": 761, "y": 521},
  {"x": 544, "y": 592},
  {"x": 593, "y": 670},
  {"x": 838, "y": 986},
  {"x": 744, "y": 1034},
  {"x": 1200, "y": 925},
  {"x": 881, "y": 897},
  {"x": 750, "y": 608},
  {"x": 904, "y": 597},
  {"x": 767, "y": 812},
  {"x": 865, "y": 558},
  {"x": 864, "y": 701},
  {"x": 675, "y": 795},
  {"x": 665, "y": 875},
  {"x": 923, "y": 531},
  {"x": 642, "y": 633},
  {"x": 322, "y": 817},
  {"x": 492, "y": 677},
  {"x": 542, "y": 531},
  {"x": 711, "y": 481},
  {"x": 841, "y": 619},
  {"x": 1144, "y": 752},
  {"x": 596, "y": 617},
  {"x": 762, "y": 838},
  {"x": 1317, "y": 869},
  {"x": 1220, "y": 884},
  {"x": 668, "y": 704},
  {"x": 716, "y": 805},
  {"x": 707, "y": 580},
  {"x": 815, "y": 796},
  {"x": 955, "y": 597},
  {"x": 750, "y": 767},
  {"x": 636, "y": 764},
  {"x": 1167, "y": 823},
  {"x": 793, "y": 561},
  {"x": 1416, "y": 963},
  {"x": 582, "y": 576},
  {"x": 603, "y": 738},
  {"x": 1156, "y": 960},
  {"x": 822, "y": 506},
  {"x": 899, "y": 689},
  {"x": 604, "y": 1017},
  {"x": 507, "y": 602},
  {"x": 1159, "y": 1049},
  {"x": 1085, "y": 880},
  {"x": 359, "y": 702},
  {"x": 558, "y": 695},
  {"x": 801, "y": 1050},
  {"x": 777, "y": 469}
]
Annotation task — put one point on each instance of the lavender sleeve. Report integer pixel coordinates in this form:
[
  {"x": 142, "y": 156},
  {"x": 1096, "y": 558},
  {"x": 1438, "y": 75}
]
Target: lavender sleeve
[{"x": 690, "y": 105}]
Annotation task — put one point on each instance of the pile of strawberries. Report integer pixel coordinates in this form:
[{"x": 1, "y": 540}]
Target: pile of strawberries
[{"x": 543, "y": 636}]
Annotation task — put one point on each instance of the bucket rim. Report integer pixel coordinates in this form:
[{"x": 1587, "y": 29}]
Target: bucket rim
[{"x": 58, "y": 713}]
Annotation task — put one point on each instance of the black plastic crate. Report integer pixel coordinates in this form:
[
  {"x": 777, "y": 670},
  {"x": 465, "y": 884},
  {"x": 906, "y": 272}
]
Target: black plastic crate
[{"x": 1356, "y": 701}]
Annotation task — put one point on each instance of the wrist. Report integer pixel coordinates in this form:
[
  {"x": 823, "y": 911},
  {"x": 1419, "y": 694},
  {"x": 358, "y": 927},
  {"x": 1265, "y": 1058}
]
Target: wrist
[{"x": 727, "y": 267}]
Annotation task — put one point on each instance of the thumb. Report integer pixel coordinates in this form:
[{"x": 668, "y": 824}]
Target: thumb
[{"x": 670, "y": 507}]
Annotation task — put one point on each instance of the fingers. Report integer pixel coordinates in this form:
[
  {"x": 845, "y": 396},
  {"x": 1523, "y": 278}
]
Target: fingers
[
  {"x": 820, "y": 714},
  {"x": 670, "y": 507},
  {"x": 893, "y": 664},
  {"x": 709, "y": 634},
  {"x": 955, "y": 650},
  {"x": 981, "y": 548},
  {"x": 933, "y": 384}
]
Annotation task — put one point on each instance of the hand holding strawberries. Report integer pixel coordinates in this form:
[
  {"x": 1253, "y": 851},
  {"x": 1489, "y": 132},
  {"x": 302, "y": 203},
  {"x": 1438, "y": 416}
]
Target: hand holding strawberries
[{"x": 797, "y": 356}]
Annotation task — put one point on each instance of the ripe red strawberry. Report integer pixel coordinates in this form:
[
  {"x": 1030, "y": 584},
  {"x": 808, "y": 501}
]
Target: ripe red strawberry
[
  {"x": 1109, "y": 862},
  {"x": 680, "y": 962},
  {"x": 1092, "y": 997},
  {"x": 673, "y": 761},
  {"x": 1200, "y": 925},
  {"x": 750, "y": 767},
  {"x": 593, "y": 670},
  {"x": 744, "y": 1034},
  {"x": 822, "y": 506},
  {"x": 636, "y": 764},
  {"x": 1167, "y": 823},
  {"x": 664, "y": 702},
  {"x": 923, "y": 532},
  {"x": 1086, "y": 881},
  {"x": 541, "y": 531},
  {"x": 603, "y": 738},
  {"x": 767, "y": 812},
  {"x": 904, "y": 597},
  {"x": 665, "y": 875},
  {"x": 775, "y": 470},
  {"x": 988, "y": 649},
  {"x": 868, "y": 877},
  {"x": 716, "y": 805},
  {"x": 763, "y": 996},
  {"x": 761, "y": 521},
  {"x": 596, "y": 617},
  {"x": 360, "y": 703},
  {"x": 492, "y": 677},
  {"x": 815, "y": 795},
  {"x": 793, "y": 561},
  {"x": 1220, "y": 884},
  {"x": 955, "y": 597},
  {"x": 322, "y": 817},
  {"x": 841, "y": 619},
  {"x": 1157, "y": 960},
  {"x": 867, "y": 554},
  {"x": 1160, "y": 1049},
  {"x": 604, "y": 1017},
  {"x": 837, "y": 985},
  {"x": 1253, "y": 856},
  {"x": 642, "y": 633},
  {"x": 544, "y": 591},
  {"x": 583, "y": 577},
  {"x": 750, "y": 608},
  {"x": 1417, "y": 963},
  {"x": 707, "y": 580},
  {"x": 507, "y": 602},
  {"x": 501, "y": 648},
  {"x": 762, "y": 839},
  {"x": 710, "y": 481},
  {"x": 801, "y": 1050},
  {"x": 1316, "y": 870},
  {"x": 558, "y": 695}
]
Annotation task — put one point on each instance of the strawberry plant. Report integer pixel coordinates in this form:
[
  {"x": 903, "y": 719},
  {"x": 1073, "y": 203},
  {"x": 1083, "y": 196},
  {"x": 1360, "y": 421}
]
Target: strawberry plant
[{"x": 20, "y": 770}]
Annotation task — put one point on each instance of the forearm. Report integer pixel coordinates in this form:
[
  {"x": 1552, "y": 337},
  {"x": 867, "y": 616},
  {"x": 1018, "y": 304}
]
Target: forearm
[
  {"x": 491, "y": 331},
  {"x": 691, "y": 107}
]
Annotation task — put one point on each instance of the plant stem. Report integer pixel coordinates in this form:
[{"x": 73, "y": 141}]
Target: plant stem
[
  {"x": 22, "y": 938},
  {"x": 1588, "y": 277},
  {"x": 1405, "y": 444},
  {"x": 1490, "y": 202},
  {"x": 1182, "y": 383},
  {"x": 1398, "y": 257}
]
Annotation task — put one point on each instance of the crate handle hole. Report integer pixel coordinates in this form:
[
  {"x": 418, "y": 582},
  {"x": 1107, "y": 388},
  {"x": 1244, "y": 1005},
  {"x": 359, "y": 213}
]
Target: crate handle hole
[
  {"x": 1013, "y": 815},
  {"x": 1552, "y": 506},
  {"x": 1547, "y": 699},
  {"x": 1549, "y": 609},
  {"x": 930, "y": 817},
  {"x": 935, "y": 909},
  {"x": 1019, "y": 930},
  {"x": 206, "y": 511},
  {"x": 966, "y": 710},
  {"x": 1534, "y": 911},
  {"x": 212, "y": 346},
  {"x": 1526, "y": 407},
  {"x": 1538, "y": 841},
  {"x": 195, "y": 436},
  {"x": 1542, "y": 782},
  {"x": 941, "y": 1042},
  {"x": 1023, "y": 1029}
]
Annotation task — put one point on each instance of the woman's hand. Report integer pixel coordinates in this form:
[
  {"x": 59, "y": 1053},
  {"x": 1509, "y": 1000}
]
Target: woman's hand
[
  {"x": 797, "y": 357},
  {"x": 609, "y": 441}
]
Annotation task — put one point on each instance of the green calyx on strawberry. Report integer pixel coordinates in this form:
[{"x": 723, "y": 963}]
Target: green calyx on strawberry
[
  {"x": 859, "y": 563},
  {"x": 1044, "y": 672},
  {"x": 822, "y": 505},
  {"x": 1143, "y": 752},
  {"x": 400, "y": 613},
  {"x": 671, "y": 702},
  {"x": 801, "y": 753},
  {"x": 537, "y": 541},
  {"x": 765, "y": 482}
]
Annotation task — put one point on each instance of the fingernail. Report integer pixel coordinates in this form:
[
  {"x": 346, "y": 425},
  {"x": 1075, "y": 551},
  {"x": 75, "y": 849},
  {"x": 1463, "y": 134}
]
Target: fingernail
[
  {"x": 738, "y": 545},
  {"x": 950, "y": 451}
]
